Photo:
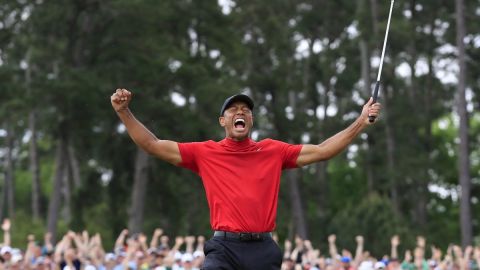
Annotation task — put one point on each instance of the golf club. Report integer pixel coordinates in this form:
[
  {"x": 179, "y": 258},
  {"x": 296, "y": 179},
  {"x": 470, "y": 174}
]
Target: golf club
[{"x": 377, "y": 84}]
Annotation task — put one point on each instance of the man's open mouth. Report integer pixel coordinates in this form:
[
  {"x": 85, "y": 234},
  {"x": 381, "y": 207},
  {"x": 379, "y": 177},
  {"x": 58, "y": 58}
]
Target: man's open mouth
[{"x": 239, "y": 123}]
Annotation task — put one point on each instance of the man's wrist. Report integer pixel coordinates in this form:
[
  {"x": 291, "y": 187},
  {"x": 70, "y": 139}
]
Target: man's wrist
[{"x": 122, "y": 110}]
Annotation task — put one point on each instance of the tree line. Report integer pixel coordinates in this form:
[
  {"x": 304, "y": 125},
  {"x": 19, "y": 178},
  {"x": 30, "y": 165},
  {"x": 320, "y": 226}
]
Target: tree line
[{"x": 67, "y": 163}]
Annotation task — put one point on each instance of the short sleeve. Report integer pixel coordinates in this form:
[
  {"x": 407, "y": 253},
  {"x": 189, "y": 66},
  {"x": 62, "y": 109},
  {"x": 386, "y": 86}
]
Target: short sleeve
[
  {"x": 291, "y": 153},
  {"x": 188, "y": 152}
]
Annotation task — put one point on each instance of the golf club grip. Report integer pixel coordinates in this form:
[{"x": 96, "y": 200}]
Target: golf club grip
[{"x": 371, "y": 119}]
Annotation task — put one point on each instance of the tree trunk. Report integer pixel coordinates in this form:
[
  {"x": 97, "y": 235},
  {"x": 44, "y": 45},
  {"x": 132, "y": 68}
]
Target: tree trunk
[
  {"x": 296, "y": 200},
  {"x": 66, "y": 190},
  {"x": 421, "y": 178},
  {"x": 55, "y": 197},
  {"x": 34, "y": 167},
  {"x": 390, "y": 141},
  {"x": 374, "y": 12},
  {"x": 74, "y": 167},
  {"x": 33, "y": 147},
  {"x": 138, "y": 192},
  {"x": 322, "y": 177},
  {"x": 9, "y": 177},
  {"x": 463, "y": 151}
]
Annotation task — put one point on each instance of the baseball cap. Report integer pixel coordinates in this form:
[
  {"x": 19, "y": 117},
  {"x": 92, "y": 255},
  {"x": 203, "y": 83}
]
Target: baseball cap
[
  {"x": 177, "y": 256},
  {"x": 345, "y": 259},
  {"x": 366, "y": 265},
  {"x": 110, "y": 257},
  {"x": 5, "y": 249},
  {"x": 380, "y": 265},
  {"x": 187, "y": 257},
  {"x": 234, "y": 98},
  {"x": 198, "y": 254}
]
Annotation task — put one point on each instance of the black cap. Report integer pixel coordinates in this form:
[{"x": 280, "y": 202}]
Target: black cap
[{"x": 234, "y": 98}]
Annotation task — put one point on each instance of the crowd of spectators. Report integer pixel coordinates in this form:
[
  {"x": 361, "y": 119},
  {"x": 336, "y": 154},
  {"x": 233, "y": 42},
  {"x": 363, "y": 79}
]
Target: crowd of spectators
[
  {"x": 305, "y": 256},
  {"x": 81, "y": 251}
]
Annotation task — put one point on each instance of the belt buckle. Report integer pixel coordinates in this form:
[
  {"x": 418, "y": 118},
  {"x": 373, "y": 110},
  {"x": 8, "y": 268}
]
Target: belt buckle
[
  {"x": 257, "y": 236},
  {"x": 251, "y": 237},
  {"x": 245, "y": 237}
]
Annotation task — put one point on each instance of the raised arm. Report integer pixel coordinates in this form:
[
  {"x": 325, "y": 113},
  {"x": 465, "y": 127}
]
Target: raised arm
[
  {"x": 332, "y": 248},
  {"x": 332, "y": 146},
  {"x": 358, "y": 251},
  {"x": 6, "y": 232},
  {"x": 394, "y": 241},
  {"x": 121, "y": 239},
  {"x": 163, "y": 149},
  {"x": 156, "y": 234}
]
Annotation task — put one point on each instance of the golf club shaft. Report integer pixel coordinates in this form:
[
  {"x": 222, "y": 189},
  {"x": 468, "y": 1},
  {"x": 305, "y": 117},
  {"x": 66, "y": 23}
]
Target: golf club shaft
[{"x": 377, "y": 84}]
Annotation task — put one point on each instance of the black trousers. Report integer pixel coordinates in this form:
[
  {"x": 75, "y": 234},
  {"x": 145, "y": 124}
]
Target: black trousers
[{"x": 227, "y": 253}]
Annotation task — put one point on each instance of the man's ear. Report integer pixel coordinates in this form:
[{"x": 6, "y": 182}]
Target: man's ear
[{"x": 221, "y": 120}]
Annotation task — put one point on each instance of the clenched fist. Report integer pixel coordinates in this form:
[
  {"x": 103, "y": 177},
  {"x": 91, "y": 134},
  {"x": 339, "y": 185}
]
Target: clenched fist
[{"x": 120, "y": 99}]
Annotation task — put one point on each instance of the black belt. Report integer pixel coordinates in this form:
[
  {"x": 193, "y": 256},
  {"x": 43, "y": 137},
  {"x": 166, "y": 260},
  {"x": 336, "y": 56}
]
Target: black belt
[{"x": 243, "y": 236}]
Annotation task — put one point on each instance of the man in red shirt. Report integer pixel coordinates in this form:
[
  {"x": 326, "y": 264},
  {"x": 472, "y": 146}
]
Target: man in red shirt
[{"x": 241, "y": 177}]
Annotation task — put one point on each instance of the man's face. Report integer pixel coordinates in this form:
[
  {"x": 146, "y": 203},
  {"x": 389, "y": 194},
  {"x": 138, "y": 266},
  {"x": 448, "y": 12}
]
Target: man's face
[{"x": 237, "y": 121}]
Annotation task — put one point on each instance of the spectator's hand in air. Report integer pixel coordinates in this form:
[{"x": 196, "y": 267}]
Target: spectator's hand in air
[
  {"x": 6, "y": 225},
  {"x": 359, "y": 239},
  {"x": 332, "y": 238},
  {"x": 288, "y": 245},
  {"x": 421, "y": 241},
  {"x": 179, "y": 241},
  {"x": 157, "y": 232},
  {"x": 142, "y": 238},
  {"x": 189, "y": 240},
  {"x": 395, "y": 241}
]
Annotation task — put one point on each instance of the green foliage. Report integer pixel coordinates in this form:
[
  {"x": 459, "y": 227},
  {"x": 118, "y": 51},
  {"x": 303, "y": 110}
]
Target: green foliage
[
  {"x": 375, "y": 219},
  {"x": 63, "y": 60}
]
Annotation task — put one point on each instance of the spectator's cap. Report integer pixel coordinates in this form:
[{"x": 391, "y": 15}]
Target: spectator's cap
[
  {"x": 380, "y": 265},
  {"x": 39, "y": 260},
  {"x": 90, "y": 267},
  {"x": 119, "y": 250},
  {"x": 17, "y": 258},
  {"x": 198, "y": 254},
  {"x": 234, "y": 98},
  {"x": 110, "y": 257},
  {"x": 187, "y": 257},
  {"x": 121, "y": 254},
  {"x": 5, "y": 249},
  {"x": 345, "y": 259},
  {"x": 366, "y": 265},
  {"x": 177, "y": 256}
]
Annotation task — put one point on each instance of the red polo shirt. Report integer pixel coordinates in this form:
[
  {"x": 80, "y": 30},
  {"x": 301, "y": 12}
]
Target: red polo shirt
[{"x": 241, "y": 180}]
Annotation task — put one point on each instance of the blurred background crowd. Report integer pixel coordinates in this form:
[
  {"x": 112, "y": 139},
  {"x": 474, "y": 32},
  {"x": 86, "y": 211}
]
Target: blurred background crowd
[{"x": 82, "y": 251}]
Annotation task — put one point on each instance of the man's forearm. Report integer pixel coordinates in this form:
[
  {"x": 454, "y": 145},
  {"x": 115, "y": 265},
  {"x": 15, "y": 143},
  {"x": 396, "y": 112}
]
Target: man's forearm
[
  {"x": 335, "y": 144},
  {"x": 137, "y": 131}
]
